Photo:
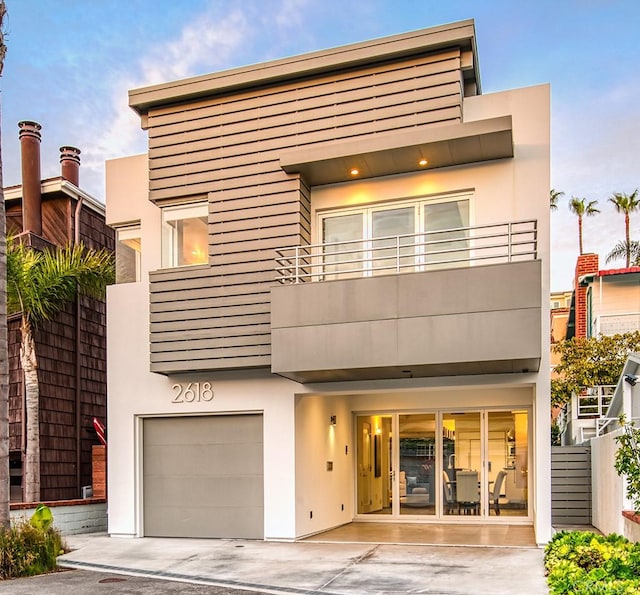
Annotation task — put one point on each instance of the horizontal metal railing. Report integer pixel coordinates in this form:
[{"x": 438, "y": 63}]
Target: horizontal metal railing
[{"x": 461, "y": 246}]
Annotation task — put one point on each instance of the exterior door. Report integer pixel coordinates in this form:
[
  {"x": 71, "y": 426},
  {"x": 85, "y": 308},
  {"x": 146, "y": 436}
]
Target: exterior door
[{"x": 444, "y": 465}]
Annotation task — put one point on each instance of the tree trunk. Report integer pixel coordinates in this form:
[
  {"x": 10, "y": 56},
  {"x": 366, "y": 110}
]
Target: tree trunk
[
  {"x": 626, "y": 230},
  {"x": 5, "y": 489},
  {"x": 29, "y": 363},
  {"x": 580, "y": 234}
]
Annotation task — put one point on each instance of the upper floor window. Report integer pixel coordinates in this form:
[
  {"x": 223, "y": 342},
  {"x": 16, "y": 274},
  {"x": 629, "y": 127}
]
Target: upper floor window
[
  {"x": 184, "y": 235},
  {"x": 128, "y": 254},
  {"x": 385, "y": 238}
]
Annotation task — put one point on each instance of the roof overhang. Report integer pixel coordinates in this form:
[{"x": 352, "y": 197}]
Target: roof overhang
[
  {"x": 460, "y": 34},
  {"x": 387, "y": 154},
  {"x": 57, "y": 185}
]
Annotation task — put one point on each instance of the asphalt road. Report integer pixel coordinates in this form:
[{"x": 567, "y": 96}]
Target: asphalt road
[{"x": 84, "y": 582}]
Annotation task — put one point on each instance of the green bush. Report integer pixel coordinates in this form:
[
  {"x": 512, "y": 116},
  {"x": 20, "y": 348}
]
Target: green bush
[
  {"x": 26, "y": 550},
  {"x": 583, "y": 563}
]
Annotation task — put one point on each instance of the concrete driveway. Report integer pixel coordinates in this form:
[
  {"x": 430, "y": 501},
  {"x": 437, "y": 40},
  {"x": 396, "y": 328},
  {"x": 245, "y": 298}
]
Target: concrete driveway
[{"x": 307, "y": 567}]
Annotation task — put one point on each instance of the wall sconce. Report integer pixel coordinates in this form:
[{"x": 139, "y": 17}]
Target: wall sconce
[
  {"x": 332, "y": 420},
  {"x": 631, "y": 379}
]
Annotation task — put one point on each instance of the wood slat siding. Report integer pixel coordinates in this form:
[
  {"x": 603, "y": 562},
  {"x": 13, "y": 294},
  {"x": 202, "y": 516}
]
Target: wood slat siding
[
  {"x": 228, "y": 147},
  {"x": 571, "y": 485}
]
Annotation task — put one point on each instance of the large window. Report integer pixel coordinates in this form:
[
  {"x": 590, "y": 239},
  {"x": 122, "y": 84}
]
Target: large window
[
  {"x": 184, "y": 235},
  {"x": 128, "y": 254},
  {"x": 395, "y": 237}
]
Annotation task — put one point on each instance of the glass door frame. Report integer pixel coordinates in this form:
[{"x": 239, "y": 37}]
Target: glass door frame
[{"x": 439, "y": 516}]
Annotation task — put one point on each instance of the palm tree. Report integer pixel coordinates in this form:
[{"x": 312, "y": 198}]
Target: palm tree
[
  {"x": 39, "y": 285},
  {"x": 581, "y": 207},
  {"x": 627, "y": 204},
  {"x": 630, "y": 251},
  {"x": 554, "y": 196},
  {"x": 5, "y": 494}
]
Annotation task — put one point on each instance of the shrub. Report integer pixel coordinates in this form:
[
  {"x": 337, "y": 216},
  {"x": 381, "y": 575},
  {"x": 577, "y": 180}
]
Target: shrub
[
  {"x": 26, "y": 550},
  {"x": 583, "y": 563},
  {"x": 628, "y": 460}
]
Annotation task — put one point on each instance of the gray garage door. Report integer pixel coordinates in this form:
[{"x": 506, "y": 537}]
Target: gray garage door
[{"x": 203, "y": 476}]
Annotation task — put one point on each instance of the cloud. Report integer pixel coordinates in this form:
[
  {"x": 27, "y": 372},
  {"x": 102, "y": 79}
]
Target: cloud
[{"x": 208, "y": 42}]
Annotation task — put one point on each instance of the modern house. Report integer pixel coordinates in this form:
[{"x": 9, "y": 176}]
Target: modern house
[
  {"x": 71, "y": 347},
  {"x": 338, "y": 297}
]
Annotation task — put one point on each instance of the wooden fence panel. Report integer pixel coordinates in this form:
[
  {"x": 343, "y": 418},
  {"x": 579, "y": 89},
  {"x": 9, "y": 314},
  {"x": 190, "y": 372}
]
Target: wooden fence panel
[{"x": 571, "y": 485}]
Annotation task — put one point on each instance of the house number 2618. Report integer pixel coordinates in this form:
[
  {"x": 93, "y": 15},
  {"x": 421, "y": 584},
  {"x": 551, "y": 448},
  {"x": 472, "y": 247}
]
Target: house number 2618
[{"x": 192, "y": 392}]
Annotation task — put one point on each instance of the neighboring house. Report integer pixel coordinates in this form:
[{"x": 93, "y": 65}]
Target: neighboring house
[
  {"x": 339, "y": 297},
  {"x": 605, "y": 302},
  {"x": 71, "y": 347}
]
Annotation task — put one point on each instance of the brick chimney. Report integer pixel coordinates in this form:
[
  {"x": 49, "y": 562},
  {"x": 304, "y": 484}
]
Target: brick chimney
[
  {"x": 29, "y": 136},
  {"x": 587, "y": 264},
  {"x": 70, "y": 164}
]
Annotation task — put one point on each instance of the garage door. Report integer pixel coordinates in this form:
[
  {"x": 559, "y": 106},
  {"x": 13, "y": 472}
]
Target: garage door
[{"x": 203, "y": 477}]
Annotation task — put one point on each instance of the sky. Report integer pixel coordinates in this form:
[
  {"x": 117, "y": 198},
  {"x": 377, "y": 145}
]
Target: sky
[{"x": 71, "y": 63}]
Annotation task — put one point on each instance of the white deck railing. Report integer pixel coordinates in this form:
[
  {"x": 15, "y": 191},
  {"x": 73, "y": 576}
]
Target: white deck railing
[{"x": 447, "y": 248}]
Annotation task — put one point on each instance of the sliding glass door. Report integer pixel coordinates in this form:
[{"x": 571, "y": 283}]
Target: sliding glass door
[{"x": 443, "y": 464}]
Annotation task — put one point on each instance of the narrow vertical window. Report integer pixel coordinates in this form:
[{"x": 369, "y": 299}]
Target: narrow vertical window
[
  {"x": 184, "y": 235},
  {"x": 128, "y": 254}
]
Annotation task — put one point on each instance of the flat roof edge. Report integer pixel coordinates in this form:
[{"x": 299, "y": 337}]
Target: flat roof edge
[{"x": 458, "y": 33}]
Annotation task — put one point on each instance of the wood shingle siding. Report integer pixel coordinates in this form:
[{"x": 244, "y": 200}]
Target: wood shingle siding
[{"x": 227, "y": 147}]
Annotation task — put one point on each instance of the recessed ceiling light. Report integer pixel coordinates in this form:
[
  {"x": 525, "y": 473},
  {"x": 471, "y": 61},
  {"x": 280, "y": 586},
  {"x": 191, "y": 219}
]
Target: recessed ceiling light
[
  {"x": 355, "y": 171},
  {"x": 422, "y": 162}
]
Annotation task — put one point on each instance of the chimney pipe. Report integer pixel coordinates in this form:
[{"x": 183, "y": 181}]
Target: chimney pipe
[
  {"x": 31, "y": 198},
  {"x": 70, "y": 164}
]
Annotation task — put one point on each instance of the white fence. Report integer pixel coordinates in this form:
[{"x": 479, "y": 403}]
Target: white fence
[{"x": 607, "y": 486}]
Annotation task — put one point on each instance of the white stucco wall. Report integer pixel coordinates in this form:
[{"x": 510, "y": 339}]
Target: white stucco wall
[{"x": 608, "y": 490}]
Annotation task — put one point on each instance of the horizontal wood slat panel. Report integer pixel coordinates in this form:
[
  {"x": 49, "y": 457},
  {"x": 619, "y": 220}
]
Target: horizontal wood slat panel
[
  {"x": 212, "y": 333},
  {"x": 253, "y": 141},
  {"x": 298, "y": 91},
  {"x": 320, "y": 118},
  {"x": 571, "y": 485},
  {"x": 196, "y": 313},
  {"x": 319, "y": 107},
  {"x": 196, "y": 345},
  {"x": 180, "y": 324},
  {"x": 223, "y": 294},
  {"x": 214, "y": 303},
  {"x": 211, "y": 364},
  {"x": 226, "y": 352}
]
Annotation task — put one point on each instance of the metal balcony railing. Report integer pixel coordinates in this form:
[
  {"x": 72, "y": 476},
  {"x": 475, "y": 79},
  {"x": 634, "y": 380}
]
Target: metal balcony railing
[{"x": 389, "y": 255}]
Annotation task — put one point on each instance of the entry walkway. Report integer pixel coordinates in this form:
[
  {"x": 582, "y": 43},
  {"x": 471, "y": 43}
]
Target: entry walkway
[
  {"x": 317, "y": 568},
  {"x": 430, "y": 534}
]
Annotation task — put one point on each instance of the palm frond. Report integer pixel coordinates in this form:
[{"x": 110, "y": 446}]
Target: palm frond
[
  {"x": 40, "y": 284},
  {"x": 625, "y": 203},
  {"x": 622, "y": 250}
]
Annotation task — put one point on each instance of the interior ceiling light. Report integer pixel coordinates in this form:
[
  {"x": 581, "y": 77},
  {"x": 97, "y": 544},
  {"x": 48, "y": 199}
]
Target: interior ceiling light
[
  {"x": 355, "y": 171},
  {"x": 422, "y": 162}
]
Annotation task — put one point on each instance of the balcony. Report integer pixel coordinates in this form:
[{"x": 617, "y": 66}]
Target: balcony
[
  {"x": 585, "y": 414},
  {"x": 450, "y": 302}
]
